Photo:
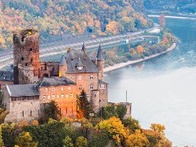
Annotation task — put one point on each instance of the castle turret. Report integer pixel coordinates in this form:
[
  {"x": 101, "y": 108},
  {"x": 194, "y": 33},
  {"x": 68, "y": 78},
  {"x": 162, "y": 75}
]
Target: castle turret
[
  {"x": 62, "y": 66},
  {"x": 100, "y": 63},
  {"x": 26, "y": 54}
]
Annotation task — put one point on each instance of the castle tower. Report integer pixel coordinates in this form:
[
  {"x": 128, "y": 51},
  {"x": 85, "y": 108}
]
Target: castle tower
[
  {"x": 100, "y": 63},
  {"x": 26, "y": 54},
  {"x": 62, "y": 66}
]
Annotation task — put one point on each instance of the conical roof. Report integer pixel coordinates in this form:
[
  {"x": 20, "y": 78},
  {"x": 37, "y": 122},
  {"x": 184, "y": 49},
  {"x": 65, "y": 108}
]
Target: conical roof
[
  {"x": 62, "y": 61},
  {"x": 99, "y": 53},
  {"x": 83, "y": 47}
]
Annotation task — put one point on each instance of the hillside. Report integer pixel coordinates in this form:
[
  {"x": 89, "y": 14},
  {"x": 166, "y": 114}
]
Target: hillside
[
  {"x": 55, "y": 18},
  {"x": 171, "y": 6}
]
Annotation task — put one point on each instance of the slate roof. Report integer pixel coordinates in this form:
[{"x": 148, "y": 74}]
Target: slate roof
[
  {"x": 6, "y": 76},
  {"x": 22, "y": 90},
  {"x": 74, "y": 57},
  {"x": 102, "y": 82},
  {"x": 62, "y": 61},
  {"x": 54, "y": 81}
]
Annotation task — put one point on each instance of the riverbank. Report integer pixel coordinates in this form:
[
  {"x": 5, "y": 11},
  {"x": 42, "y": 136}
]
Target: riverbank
[
  {"x": 124, "y": 64},
  {"x": 174, "y": 17}
]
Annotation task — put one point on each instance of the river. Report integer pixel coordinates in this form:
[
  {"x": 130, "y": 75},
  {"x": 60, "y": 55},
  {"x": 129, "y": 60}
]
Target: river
[{"x": 163, "y": 90}]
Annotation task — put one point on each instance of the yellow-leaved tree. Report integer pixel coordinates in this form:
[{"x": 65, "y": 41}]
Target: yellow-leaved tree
[{"x": 115, "y": 128}]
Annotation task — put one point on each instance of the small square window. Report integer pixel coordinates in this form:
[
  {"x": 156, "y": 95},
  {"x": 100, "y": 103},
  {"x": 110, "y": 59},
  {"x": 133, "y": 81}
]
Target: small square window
[
  {"x": 91, "y": 77},
  {"x": 71, "y": 95},
  {"x": 91, "y": 87}
]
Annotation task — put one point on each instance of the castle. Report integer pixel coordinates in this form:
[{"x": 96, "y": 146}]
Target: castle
[{"x": 37, "y": 83}]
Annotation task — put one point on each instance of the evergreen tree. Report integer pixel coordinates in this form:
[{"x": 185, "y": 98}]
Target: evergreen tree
[
  {"x": 84, "y": 105},
  {"x": 51, "y": 110}
]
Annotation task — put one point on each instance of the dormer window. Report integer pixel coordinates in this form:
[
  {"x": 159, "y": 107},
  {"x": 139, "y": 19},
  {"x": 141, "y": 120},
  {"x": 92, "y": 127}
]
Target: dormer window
[{"x": 79, "y": 65}]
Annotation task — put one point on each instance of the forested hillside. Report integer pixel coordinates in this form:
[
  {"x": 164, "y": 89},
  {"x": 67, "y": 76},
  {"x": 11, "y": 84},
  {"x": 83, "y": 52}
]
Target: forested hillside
[
  {"x": 51, "y": 17},
  {"x": 174, "y": 6}
]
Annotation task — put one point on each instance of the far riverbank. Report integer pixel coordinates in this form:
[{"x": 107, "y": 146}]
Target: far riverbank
[{"x": 124, "y": 64}]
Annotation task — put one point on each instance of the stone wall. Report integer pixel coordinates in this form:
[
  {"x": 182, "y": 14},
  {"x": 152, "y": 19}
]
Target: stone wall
[{"x": 23, "y": 110}]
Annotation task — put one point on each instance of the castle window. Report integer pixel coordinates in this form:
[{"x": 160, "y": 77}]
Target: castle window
[
  {"x": 31, "y": 113},
  {"x": 66, "y": 96},
  {"x": 62, "y": 96},
  {"x": 31, "y": 60},
  {"x": 62, "y": 88},
  {"x": 80, "y": 87},
  {"x": 49, "y": 97},
  {"x": 44, "y": 97},
  {"x": 102, "y": 86},
  {"x": 53, "y": 89},
  {"x": 22, "y": 113},
  {"x": 69, "y": 88},
  {"x": 53, "y": 96},
  {"x": 46, "y": 89},
  {"x": 26, "y": 64},
  {"x": 30, "y": 49},
  {"x": 91, "y": 87},
  {"x": 71, "y": 95},
  {"x": 91, "y": 77},
  {"x": 22, "y": 58}
]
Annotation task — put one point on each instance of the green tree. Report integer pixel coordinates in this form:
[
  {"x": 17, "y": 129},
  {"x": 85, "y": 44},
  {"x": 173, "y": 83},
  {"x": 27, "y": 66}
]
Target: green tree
[
  {"x": 132, "y": 124},
  {"x": 48, "y": 135},
  {"x": 1, "y": 138},
  {"x": 51, "y": 110},
  {"x": 121, "y": 111},
  {"x": 81, "y": 142},
  {"x": 108, "y": 112},
  {"x": 84, "y": 105},
  {"x": 67, "y": 142},
  {"x": 98, "y": 138},
  {"x": 25, "y": 140}
]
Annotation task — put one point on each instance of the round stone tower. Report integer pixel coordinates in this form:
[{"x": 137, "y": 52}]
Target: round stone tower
[
  {"x": 100, "y": 63},
  {"x": 26, "y": 54}
]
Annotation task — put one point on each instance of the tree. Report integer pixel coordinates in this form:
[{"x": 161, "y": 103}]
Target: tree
[
  {"x": 98, "y": 138},
  {"x": 81, "y": 142},
  {"x": 115, "y": 128},
  {"x": 138, "y": 139},
  {"x": 3, "y": 114},
  {"x": 158, "y": 128},
  {"x": 121, "y": 111},
  {"x": 67, "y": 142},
  {"x": 84, "y": 106},
  {"x": 109, "y": 111},
  {"x": 140, "y": 49},
  {"x": 25, "y": 140},
  {"x": 132, "y": 124},
  {"x": 51, "y": 110},
  {"x": 1, "y": 138}
]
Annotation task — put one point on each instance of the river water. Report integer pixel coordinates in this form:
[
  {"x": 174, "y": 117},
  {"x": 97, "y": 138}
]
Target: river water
[{"x": 163, "y": 90}]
